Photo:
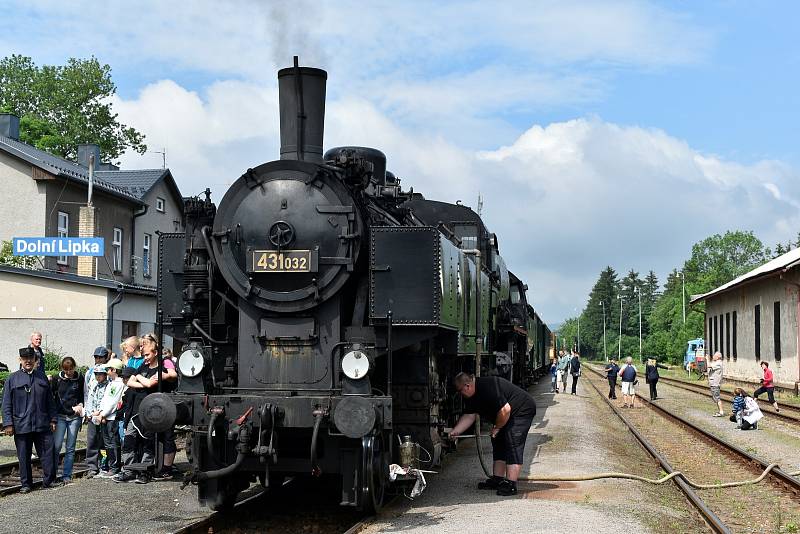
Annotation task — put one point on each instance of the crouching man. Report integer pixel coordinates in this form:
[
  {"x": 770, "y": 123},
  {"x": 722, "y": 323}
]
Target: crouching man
[{"x": 512, "y": 411}]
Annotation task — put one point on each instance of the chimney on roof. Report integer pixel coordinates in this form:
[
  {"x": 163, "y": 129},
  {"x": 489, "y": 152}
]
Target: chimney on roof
[
  {"x": 87, "y": 150},
  {"x": 9, "y": 126}
]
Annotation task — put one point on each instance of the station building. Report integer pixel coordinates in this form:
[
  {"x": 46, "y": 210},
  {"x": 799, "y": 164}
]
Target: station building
[
  {"x": 754, "y": 318},
  {"x": 79, "y": 303}
]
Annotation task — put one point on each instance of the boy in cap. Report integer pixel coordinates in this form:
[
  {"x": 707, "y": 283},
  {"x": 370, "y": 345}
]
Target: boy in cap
[
  {"x": 94, "y": 427},
  {"x": 29, "y": 414},
  {"x": 108, "y": 414}
]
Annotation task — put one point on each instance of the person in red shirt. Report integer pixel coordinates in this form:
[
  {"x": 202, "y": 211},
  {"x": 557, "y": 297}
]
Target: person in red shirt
[{"x": 767, "y": 386}]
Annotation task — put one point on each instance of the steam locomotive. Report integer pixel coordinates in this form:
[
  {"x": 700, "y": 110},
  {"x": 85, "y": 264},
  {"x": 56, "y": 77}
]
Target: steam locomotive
[{"x": 322, "y": 312}]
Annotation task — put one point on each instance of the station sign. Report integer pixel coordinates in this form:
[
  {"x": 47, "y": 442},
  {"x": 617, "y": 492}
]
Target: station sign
[{"x": 58, "y": 246}]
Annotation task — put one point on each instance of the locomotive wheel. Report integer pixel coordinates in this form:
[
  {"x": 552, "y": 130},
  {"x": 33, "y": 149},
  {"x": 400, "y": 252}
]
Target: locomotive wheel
[
  {"x": 374, "y": 472},
  {"x": 228, "y": 489}
]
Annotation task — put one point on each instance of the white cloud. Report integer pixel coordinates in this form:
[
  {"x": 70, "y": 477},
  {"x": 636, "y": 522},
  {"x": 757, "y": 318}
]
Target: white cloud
[{"x": 476, "y": 56}]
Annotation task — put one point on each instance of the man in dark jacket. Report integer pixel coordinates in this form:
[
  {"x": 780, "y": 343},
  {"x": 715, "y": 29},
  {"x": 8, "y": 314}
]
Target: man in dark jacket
[
  {"x": 611, "y": 371},
  {"x": 651, "y": 376},
  {"x": 575, "y": 371},
  {"x": 29, "y": 414},
  {"x": 512, "y": 410}
]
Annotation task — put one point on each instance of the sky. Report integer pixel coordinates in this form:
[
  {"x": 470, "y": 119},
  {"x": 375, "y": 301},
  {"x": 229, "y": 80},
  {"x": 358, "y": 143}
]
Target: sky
[{"x": 598, "y": 133}]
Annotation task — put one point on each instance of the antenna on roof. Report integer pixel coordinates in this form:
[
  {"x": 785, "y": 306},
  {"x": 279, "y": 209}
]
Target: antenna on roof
[
  {"x": 480, "y": 203},
  {"x": 163, "y": 153}
]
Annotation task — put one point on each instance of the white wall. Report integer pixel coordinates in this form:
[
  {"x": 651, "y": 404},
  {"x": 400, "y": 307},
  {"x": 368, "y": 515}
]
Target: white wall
[
  {"x": 71, "y": 316},
  {"x": 24, "y": 216},
  {"x": 764, "y": 293}
]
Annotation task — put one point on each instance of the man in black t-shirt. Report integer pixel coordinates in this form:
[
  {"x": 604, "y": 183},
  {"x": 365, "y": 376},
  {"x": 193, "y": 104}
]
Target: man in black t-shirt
[{"x": 512, "y": 409}]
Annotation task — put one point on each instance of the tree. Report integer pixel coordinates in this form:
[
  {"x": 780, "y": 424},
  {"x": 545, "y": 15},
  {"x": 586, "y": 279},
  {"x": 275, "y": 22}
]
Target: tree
[
  {"x": 605, "y": 292},
  {"x": 7, "y": 257},
  {"x": 64, "y": 106},
  {"x": 719, "y": 259}
]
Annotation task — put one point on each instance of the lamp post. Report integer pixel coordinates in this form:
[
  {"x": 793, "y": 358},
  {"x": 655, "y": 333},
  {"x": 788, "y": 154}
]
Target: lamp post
[
  {"x": 683, "y": 294},
  {"x": 638, "y": 291},
  {"x": 619, "y": 350},
  {"x": 605, "y": 352}
]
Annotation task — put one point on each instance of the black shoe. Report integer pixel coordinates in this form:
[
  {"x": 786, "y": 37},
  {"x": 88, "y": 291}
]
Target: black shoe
[
  {"x": 164, "y": 474},
  {"x": 491, "y": 483},
  {"x": 143, "y": 478},
  {"x": 124, "y": 477},
  {"x": 55, "y": 484},
  {"x": 26, "y": 489},
  {"x": 507, "y": 488}
]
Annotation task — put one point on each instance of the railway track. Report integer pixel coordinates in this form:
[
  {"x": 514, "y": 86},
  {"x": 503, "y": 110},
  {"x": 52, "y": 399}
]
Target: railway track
[
  {"x": 9, "y": 473},
  {"x": 788, "y": 412},
  {"x": 712, "y": 520},
  {"x": 679, "y": 438},
  {"x": 284, "y": 511}
]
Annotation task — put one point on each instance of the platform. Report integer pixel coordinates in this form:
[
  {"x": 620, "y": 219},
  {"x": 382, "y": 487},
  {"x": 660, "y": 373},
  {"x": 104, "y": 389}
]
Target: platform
[{"x": 570, "y": 435}]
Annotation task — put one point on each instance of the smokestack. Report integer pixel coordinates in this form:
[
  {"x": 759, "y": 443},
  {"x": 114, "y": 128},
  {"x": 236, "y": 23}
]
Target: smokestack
[
  {"x": 9, "y": 126},
  {"x": 301, "y": 94},
  {"x": 86, "y": 152}
]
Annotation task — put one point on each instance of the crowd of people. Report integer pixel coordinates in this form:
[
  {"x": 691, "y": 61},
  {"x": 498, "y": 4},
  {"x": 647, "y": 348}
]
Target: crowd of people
[
  {"x": 745, "y": 411},
  {"x": 568, "y": 363},
  {"x": 47, "y": 413}
]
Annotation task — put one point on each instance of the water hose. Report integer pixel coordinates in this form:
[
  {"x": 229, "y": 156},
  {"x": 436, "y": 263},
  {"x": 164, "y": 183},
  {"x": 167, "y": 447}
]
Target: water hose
[{"x": 627, "y": 476}]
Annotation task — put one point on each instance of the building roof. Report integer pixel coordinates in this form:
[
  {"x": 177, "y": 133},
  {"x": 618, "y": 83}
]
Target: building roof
[
  {"x": 140, "y": 182},
  {"x": 782, "y": 263},
  {"x": 62, "y": 167},
  {"x": 75, "y": 279}
]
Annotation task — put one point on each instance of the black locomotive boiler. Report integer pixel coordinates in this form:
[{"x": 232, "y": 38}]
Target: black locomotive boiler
[{"x": 323, "y": 311}]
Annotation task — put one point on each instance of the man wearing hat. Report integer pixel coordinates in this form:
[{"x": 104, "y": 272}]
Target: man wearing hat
[{"x": 29, "y": 414}]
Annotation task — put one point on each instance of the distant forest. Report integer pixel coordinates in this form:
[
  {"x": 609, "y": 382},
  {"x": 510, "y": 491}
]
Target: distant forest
[{"x": 715, "y": 261}]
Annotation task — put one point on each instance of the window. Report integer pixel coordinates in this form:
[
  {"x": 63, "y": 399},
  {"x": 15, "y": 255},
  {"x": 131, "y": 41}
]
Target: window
[
  {"x": 716, "y": 335},
  {"x": 734, "y": 335},
  {"x": 129, "y": 328},
  {"x": 146, "y": 255},
  {"x": 776, "y": 329},
  {"x": 515, "y": 294},
  {"x": 710, "y": 336},
  {"x": 722, "y": 334},
  {"x": 160, "y": 204},
  {"x": 117, "y": 249},
  {"x": 757, "y": 330},
  {"x": 63, "y": 231},
  {"x": 728, "y": 336}
]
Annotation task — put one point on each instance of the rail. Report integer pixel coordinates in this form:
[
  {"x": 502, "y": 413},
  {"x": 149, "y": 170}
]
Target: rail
[{"x": 786, "y": 479}]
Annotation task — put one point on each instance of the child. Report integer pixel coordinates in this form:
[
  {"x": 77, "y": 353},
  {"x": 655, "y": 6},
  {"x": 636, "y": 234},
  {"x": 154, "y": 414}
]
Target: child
[
  {"x": 108, "y": 415},
  {"x": 737, "y": 407},
  {"x": 94, "y": 427},
  {"x": 554, "y": 376}
]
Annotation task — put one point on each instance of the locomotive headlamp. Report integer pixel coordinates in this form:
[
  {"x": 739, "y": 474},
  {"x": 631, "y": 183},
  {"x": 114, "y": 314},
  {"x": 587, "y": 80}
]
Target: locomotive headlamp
[
  {"x": 355, "y": 364},
  {"x": 190, "y": 363}
]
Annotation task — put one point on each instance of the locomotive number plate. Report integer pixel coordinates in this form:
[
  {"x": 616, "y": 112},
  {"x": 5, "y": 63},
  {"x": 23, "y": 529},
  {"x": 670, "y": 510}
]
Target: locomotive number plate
[{"x": 284, "y": 261}]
